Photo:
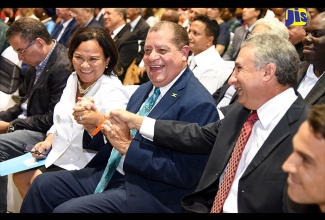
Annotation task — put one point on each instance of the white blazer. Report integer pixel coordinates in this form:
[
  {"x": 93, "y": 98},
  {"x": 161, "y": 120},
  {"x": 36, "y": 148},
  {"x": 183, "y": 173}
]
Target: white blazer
[{"x": 67, "y": 151}]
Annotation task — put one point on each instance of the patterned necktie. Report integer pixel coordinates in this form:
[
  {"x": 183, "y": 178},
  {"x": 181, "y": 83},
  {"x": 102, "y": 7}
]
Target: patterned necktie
[
  {"x": 233, "y": 163},
  {"x": 147, "y": 106},
  {"x": 115, "y": 157}
]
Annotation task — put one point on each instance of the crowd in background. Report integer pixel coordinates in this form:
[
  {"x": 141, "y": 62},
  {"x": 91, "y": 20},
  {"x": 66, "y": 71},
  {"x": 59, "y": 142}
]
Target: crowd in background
[{"x": 216, "y": 36}]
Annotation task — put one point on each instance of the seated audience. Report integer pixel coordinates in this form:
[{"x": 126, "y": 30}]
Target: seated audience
[
  {"x": 28, "y": 121},
  {"x": 249, "y": 16},
  {"x": 228, "y": 16},
  {"x": 224, "y": 33},
  {"x": 205, "y": 62},
  {"x": 243, "y": 176},
  {"x": 64, "y": 29},
  {"x": 170, "y": 15},
  {"x": 45, "y": 16},
  {"x": 311, "y": 77},
  {"x": 93, "y": 57},
  {"x": 143, "y": 178},
  {"x": 125, "y": 40},
  {"x": 227, "y": 94}
]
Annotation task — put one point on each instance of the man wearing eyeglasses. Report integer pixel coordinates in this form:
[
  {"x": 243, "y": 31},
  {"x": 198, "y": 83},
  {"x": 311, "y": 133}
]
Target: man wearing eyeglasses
[{"x": 28, "y": 121}]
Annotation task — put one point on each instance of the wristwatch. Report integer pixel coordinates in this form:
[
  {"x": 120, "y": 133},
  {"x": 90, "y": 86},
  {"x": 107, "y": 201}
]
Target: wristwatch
[{"x": 11, "y": 128}]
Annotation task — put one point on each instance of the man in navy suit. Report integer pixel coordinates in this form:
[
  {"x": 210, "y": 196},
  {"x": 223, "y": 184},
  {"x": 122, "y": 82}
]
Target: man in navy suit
[
  {"x": 125, "y": 40},
  {"x": 148, "y": 179},
  {"x": 64, "y": 29},
  {"x": 265, "y": 82}
]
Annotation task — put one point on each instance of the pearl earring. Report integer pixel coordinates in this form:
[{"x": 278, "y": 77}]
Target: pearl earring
[{"x": 106, "y": 67}]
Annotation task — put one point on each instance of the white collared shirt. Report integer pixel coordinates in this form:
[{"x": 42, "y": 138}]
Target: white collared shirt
[
  {"x": 308, "y": 82},
  {"x": 147, "y": 131},
  {"x": 211, "y": 70},
  {"x": 115, "y": 32},
  {"x": 134, "y": 23},
  {"x": 269, "y": 117}
]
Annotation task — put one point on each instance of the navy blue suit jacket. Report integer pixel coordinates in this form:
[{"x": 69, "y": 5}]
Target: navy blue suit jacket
[
  {"x": 157, "y": 178},
  {"x": 68, "y": 31}
]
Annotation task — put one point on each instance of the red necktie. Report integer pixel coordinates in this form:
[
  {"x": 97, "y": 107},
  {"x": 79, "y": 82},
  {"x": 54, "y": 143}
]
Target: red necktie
[{"x": 233, "y": 163}]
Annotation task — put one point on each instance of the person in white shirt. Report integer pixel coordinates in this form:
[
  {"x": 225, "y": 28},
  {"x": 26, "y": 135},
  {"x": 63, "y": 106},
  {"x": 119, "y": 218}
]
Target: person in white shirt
[
  {"x": 205, "y": 62},
  {"x": 93, "y": 58}
]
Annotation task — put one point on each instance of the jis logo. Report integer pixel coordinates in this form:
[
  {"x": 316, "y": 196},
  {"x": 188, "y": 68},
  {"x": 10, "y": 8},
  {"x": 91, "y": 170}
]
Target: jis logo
[{"x": 296, "y": 16}]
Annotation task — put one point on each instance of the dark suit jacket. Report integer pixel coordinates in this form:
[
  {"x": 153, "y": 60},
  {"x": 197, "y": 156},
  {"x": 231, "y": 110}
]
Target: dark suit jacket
[
  {"x": 92, "y": 23},
  {"x": 232, "y": 52},
  {"x": 127, "y": 45},
  {"x": 141, "y": 30},
  {"x": 156, "y": 178},
  {"x": 43, "y": 96},
  {"x": 317, "y": 93},
  {"x": 69, "y": 30},
  {"x": 261, "y": 187},
  {"x": 219, "y": 95}
]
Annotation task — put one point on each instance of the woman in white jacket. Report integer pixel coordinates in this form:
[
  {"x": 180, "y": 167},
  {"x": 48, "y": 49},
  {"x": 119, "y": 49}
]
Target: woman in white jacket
[{"x": 93, "y": 59}]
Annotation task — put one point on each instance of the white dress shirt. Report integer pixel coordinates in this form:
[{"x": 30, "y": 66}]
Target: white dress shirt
[
  {"x": 308, "y": 82},
  {"x": 269, "y": 117},
  {"x": 146, "y": 130},
  {"x": 64, "y": 24},
  {"x": 211, "y": 70}
]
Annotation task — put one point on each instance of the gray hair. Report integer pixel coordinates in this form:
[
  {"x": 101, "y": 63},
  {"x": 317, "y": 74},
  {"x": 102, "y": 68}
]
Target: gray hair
[
  {"x": 271, "y": 48},
  {"x": 275, "y": 26}
]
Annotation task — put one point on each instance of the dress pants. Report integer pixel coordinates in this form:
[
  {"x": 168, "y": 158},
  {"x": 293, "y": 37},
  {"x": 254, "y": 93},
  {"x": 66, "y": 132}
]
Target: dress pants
[
  {"x": 10, "y": 147},
  {"x": 73, "y": 192}
]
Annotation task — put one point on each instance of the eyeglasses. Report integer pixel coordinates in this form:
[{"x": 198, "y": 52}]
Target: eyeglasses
[{"x": 24, "y": 50}]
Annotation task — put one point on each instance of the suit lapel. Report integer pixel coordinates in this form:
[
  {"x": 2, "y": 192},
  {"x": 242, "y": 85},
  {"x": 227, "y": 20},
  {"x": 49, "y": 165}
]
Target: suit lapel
[
  {"x": 279, "y": 133},
  {"x": 317, "y": 91}
]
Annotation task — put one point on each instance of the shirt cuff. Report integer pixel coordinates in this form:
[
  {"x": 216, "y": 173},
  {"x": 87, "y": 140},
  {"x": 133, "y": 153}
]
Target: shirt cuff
[{"x": 147, "y": 128}]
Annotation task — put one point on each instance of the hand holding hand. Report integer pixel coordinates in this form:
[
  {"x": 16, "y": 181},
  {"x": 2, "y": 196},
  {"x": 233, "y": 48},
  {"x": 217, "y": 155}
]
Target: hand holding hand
[
  {"x": 118, "y": 134},
  {"x": 132, "y": 120}
]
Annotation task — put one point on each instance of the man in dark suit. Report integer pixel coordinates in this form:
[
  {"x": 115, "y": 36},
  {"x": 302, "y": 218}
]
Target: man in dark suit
[
  {"x": 140, "y": 27},
  {"x": 125, "y": 40},
  {"x": 28, "y": 121},
  {"x": 264, "y": 81},
  {"x": 250, "y": 16},
  {"x": 65, "y": 28},
  {"x": 148, "y": 179},
  {"x": 311, "y": 77},
  {"x": 84, "y": 17}
]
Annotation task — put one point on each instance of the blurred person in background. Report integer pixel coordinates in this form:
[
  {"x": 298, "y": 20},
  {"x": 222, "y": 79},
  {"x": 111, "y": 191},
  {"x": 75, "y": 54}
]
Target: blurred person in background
[
  {"x": 224, "y": 35},
  {"x": 306, "y": 165},
  {"x": 64, "y": 29}
]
